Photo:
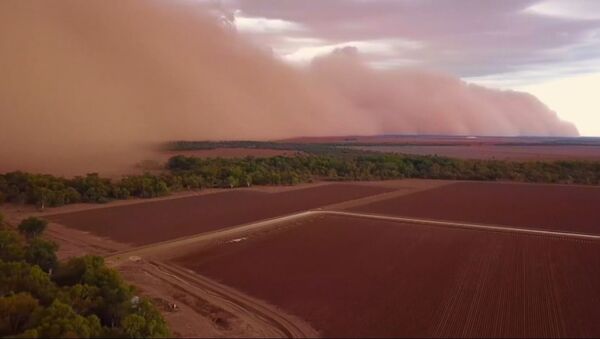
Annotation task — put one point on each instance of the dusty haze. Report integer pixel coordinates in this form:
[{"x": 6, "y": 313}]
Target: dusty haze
[{"x": 88, "y": 85}]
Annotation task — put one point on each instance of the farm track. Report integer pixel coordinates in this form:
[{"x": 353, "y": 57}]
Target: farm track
[
  {"x": 494, "y": 228},
  {"x": 236, "y": 231},
  {"x": 269, "y": 321},
  {"x": 224, "y": 233},
  {"x": 398, "y": 192}
]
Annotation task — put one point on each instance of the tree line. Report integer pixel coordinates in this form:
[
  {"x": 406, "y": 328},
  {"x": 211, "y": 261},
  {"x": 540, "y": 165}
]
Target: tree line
[
  {"x": 189, "y": 173},
  {"x": 42, "y": 297}
]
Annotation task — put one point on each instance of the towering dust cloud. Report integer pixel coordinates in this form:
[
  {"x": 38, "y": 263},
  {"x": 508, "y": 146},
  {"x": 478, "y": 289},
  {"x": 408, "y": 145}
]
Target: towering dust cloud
[{"x": 88, "y": 85}]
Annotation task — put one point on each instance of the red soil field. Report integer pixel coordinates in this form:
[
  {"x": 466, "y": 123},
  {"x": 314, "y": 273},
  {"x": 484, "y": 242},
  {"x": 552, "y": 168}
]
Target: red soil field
[
  {"x": 354, "y": 277},
  {"x": 154, "y": 221},
  {"x": 500, "y": 152},
  {"x": 448, "y": 140},
  {"x": 229, "y": 153},
  {"x": 554, "y": 207},
  {"x": 403, "y": 139}
]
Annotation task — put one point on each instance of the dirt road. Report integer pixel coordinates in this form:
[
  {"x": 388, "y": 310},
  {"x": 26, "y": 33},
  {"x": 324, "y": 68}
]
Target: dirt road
[
  {"x": 223, "y": 311},
  {"x": 162, "y": 249}
]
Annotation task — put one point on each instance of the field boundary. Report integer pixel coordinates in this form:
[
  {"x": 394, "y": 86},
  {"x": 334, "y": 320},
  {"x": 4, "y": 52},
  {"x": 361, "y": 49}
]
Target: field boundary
[
  {"x": 219, "y": 234},
  {"x": 236, "y": 231},
  {"x": 397, "y": 192},
  {"x": 466, "y": 225}
]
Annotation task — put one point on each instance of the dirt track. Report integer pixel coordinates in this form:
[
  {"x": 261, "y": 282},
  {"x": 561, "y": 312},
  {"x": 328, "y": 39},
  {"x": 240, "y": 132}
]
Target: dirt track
[
  {"x": 271, "y": 321},
  {"x": 232, "y": 314}
]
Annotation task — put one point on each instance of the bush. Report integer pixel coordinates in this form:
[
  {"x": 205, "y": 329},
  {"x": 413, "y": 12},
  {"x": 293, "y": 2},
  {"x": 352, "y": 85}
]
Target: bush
[
  {"x": 32, "y": 227},
  {"x": 42, "y": 253}
]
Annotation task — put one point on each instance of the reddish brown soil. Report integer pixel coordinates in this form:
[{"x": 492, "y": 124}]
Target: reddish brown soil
[
  {"x": 500, "y": 152},
  {"x": 352, "y": 277},
  {"x": 154, "y": 221},
  {"x": 554, "y": 207},
  {"x": 404, "y": 139},
  {"x": 230, "y": 153},
  {"x": 447, "y": 140}
]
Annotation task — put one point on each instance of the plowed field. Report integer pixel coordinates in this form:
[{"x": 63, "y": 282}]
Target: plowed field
[
  {"x": 354, "y": 277},
  {"x": 154, "y": 221},
  {"x": 554, "y": 207}
]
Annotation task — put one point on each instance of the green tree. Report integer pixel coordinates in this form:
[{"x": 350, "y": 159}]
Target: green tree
[
  {"x": 19, "y": 276},
  {"x": 11, "y": 246},
  {"x": 232, "y": 181},
  {"x": 16, "y": 313},
  {"x": 42, "y": 253},
  {"x": 91, "y": 270},
  {"x": 32, "y": 227},
  {"x": 60, "y": 320},
  {"x": 145, "y": 322},
  {"x": 83, "y": 298},
  {"x": 134, "y": 326}
]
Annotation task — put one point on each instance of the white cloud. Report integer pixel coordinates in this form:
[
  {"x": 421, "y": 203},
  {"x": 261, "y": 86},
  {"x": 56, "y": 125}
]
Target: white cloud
[
  {"x": 570, "y": 9},
  {"x": 265, "y": 25},
  {"x": 394, "y": 63},
  {"x": 378, "y": 48}
]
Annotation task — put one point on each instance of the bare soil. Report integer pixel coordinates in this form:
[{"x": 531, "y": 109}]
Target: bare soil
[
  {"x": 499, "y": 152},
  {"x": 556, "y": 207},
  {"x": 351, "y": 277},
  {"x": 193, "y": 317},
  {"x": 229, "y": 153},
  {"x": 155, "y": 221},
  {"x": 447, "y": 140}
]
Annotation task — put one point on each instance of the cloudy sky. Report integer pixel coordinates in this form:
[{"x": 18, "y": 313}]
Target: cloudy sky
[{"x": 550, "y": 48}]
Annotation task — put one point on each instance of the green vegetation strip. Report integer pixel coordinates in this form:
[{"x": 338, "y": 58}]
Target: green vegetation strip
[{"x": 189, "y": 173}]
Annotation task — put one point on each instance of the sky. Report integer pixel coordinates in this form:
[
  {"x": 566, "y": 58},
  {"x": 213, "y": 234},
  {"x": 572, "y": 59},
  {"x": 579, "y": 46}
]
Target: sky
[{"x": 549, "y": 48}]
